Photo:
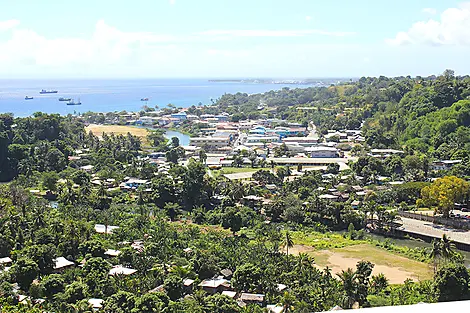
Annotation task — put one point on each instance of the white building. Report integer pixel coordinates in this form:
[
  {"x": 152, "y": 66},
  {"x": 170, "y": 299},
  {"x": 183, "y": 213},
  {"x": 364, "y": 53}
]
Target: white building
[
  {"x": 261, "y": 139},
  {"x": 214, "y": 142},
  {"x": 322, "y": 152},
  {"x": 303, "y": 141}
]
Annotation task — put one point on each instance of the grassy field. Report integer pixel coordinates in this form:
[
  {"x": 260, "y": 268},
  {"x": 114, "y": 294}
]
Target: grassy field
[
  {"x": 233, "y": 170},
  {"x": 395, "y": 267},
  {"x": 98, "y": 130}
]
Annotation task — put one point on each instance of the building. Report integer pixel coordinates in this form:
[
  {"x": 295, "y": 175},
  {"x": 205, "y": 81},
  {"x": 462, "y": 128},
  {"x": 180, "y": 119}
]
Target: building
[
  {"x": 444, "y": 164},
  {"x": 103, "y": 229},
  {"x": 222, "y": 118},
  {"x": 336, "y": 134},
  {"x": 121, "y": 270},
  {"x": 180, "y": 116},
  {"x": 306, "y": 161},
  {"x": 303, "y": 141},
  {"x": 322, "y": 152},
  {"x": 134, "y": 183},
  {"x": 95, "y": 303},
  {"x": 112, "y": 253},
  {"x": 215, "y": 285},
  {"x": 147, "y": 120},
  {"x": 212, "y": 142},
  {"x": 383, "y": 153},
  {"x": 260, "y": 139},
  {"x": 252, "y": 298},
  {"x": 62, "y": 263}
]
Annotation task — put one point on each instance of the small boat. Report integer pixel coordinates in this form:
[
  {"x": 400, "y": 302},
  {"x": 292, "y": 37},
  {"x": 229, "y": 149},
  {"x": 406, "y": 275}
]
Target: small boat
[
  {"x": 65, "y": 99},
  {"x": 72, "y": 102},
  {"x": 28, "y": 98},
  {"x": 144, "y": 99},
  {"x": 47, "y": 91}
]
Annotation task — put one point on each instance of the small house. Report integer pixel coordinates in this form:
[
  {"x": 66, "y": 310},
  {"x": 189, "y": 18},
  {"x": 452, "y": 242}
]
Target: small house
[
  {"x": 215, "y": 285},
  {"x": 188, "y": 285},
  {"x": 252, "y": 298},
  {"x": 96, "y": 304},
  {"x": 62, "y": 263},
  {"x": 121, "y": 270}
]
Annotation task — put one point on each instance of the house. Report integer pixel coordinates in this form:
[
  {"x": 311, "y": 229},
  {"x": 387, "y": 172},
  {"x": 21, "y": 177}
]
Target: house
[
  {"x": 135, "y": 183},
  {"x": 62, "y": 263},
  {"x": 230, "y": 294},
  {"x": 188, "y": 285},
  {"x": 147, "y": 120},
  {"x": 328, "y": 197},
  {"x": 322, "y": 152},
  {"x": 112, "y": 253},
  {"x": 383, "y": 153},
  {"x": 308, "y": 161},
  {"x": 303, "y": 141},
  {"x": 96, "y": 304},
  {"x": 212, "y": 142},
  {"x": 180, "y": 116},
  {"x": 444, "y": 164},
  {"x": 355, "y": 204},
  {"x": 250, "y": 140},
  {"x": 252, "y": 298},
  {"x": 121, "y": 270},
  {"x": 87, "y": 168},
  {"x": 222, "y": 118},
  {"x": 103, "y": 229},
  {"x": 215, "y": 285}
]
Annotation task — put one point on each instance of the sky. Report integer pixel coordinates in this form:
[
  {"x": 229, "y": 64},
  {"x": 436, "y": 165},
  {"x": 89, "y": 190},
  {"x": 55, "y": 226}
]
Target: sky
[{"x": 232, "y": 38}]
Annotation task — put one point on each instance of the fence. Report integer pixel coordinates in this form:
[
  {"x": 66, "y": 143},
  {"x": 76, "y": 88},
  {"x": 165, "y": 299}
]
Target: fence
[{"x": 455, "y": 223}]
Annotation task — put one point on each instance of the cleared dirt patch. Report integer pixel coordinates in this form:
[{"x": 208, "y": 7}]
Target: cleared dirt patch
[
  {"x": 98, "y": 130},
  {"x": 396, "y": 268}
]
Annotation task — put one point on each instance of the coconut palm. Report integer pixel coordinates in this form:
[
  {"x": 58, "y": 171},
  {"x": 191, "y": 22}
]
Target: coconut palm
[
  {"x": 446, "y": 247},
  {"x": 288, "y": 243},
  {"x": 436, "y": 252},
  {"x": 379, "y": 282},
  {"x": 348, "y": 280}
]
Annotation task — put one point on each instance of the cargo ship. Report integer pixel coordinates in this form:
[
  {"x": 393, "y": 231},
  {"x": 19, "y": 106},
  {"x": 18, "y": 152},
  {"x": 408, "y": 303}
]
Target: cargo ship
[
  {"x": 65, "y": 99},
  {"x": 72, "y": 102},
  {"x": 28, "y": 98},
  {"x": 47, "y": 91}
]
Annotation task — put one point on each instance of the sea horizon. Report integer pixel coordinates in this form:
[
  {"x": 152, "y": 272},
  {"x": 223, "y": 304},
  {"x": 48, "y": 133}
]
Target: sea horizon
[{"x": 111, "y": 95}]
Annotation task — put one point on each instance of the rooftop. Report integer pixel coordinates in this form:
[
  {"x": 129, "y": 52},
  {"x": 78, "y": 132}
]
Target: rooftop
[
  {"x": 62, "y": 262},
  {"x": 121, "y": 270}
]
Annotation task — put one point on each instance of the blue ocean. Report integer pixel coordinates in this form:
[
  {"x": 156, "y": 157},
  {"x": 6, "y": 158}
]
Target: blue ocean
[{"x": 117, "y": 95}]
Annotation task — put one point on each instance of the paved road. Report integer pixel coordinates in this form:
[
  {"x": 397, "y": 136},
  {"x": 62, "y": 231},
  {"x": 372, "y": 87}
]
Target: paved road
[{"x": 429, "y": 229}]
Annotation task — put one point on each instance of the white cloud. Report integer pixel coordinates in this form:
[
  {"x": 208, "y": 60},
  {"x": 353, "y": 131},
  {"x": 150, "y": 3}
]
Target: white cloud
[
  {"x": 431, "y": 11},
  {"x": 308, "y": 18},
  {"x": 452, "y": 28},
  {"x": 172, "y": 2},
  {"x": 106, "y": 46},
  {"x": 273, "y": 33},
  {"x": 9, "y": 24}
]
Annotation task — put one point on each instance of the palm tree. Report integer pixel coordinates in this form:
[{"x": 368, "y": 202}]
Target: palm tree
[
  {"x": 446, "y": 247},
  {"x": 288, "y": 243},
  {"x": 379, "y": 282},
  {"x": 348, "y": 280},
  {"x": 436, "y": 252}
]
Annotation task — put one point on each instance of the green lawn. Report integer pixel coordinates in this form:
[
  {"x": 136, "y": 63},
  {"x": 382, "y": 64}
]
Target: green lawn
[{"x": 233, "y": 170}]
